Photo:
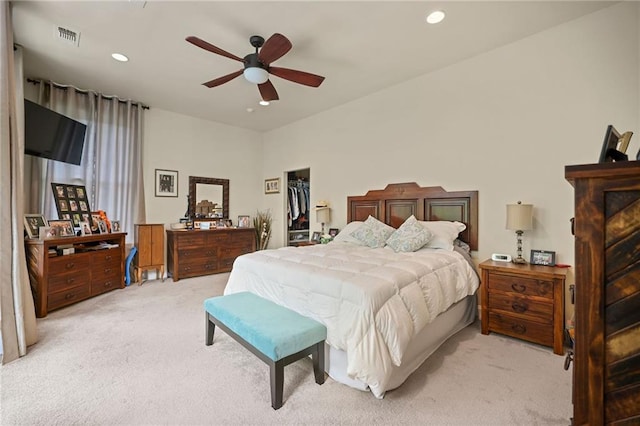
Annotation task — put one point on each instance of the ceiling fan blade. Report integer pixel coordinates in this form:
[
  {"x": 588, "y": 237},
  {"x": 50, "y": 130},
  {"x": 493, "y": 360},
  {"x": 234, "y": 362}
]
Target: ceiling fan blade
[
  {"x": 211, "y": 48},
  {"x": 274, "y": 48},
  {"x": 221, "y": 80},
  {"x": 268, "y": 92},
  {"x": 296, "y": 76}
]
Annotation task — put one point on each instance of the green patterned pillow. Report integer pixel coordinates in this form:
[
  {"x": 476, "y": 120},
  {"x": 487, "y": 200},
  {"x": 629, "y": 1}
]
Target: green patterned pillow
[
  {"x": 410, "y": 236},
  {"x": 373, "y": 233}
]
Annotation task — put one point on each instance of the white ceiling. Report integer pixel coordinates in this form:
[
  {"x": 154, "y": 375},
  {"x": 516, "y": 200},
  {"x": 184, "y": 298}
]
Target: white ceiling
[{"x": 360, "y": 47}]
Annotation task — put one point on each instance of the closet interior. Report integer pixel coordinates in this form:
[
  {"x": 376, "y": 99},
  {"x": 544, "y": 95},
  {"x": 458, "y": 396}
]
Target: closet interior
[{"x": 298, "y": 207}]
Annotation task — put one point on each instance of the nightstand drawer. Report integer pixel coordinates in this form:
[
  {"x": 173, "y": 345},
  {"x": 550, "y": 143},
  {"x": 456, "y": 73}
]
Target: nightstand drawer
[
  {"x": 521, "y": 328},
  {"x": 531, "y": 309},
  {"x": 521, "y": 285}
]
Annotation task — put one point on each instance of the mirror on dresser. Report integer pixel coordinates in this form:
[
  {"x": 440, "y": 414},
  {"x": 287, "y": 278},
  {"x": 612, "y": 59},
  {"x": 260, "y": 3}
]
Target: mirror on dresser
[{"x": 208, "y": 198}]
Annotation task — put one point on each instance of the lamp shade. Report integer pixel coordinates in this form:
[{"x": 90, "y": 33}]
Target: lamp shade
[
  {"x": 519, "y": 217},
  {"x": 256, "y": 75},
  {"x": 323, "y": 215}
]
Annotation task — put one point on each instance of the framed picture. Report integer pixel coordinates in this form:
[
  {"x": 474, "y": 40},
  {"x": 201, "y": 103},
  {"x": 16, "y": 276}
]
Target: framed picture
[
  {"x": 315, "y": 237},
  {"x": 102, "y": 227},
  {"x": 32, "y": 223},
  {"x": 333, "y": 232},
  {"x": 85, "y": 228},
  {"x": 543, "y": 257},
  {"x": 71, "y": 202},
  {"x": 61, "y": 228},
  {"x": 115, "y": 226},
  {"x": 272, "y": 186},
  {"x": 166, "y": 183},
  {"x": 45, "y": 232},
  {"x": 244, "y": 221}
]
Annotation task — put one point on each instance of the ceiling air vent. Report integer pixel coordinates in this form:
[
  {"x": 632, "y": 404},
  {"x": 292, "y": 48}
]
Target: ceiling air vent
[{"x": 67, "y": 35}]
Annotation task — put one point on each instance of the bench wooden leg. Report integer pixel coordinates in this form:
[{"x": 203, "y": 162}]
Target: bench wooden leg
[
  {"x": 210, "y": 328},
  {"x": 277, "y": 383},
  {"x": 318, "y": 362}
]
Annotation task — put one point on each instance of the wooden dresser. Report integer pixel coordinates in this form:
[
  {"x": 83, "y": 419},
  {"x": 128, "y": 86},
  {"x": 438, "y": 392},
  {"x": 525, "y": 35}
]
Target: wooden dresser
[
  {"x": 524, "y": 301},
  {"x": 606, "y": 387},
  {"x": 149, "y": 242},
  {"x": 191, "y": 253},
  {"x": 60, "y": 280}
]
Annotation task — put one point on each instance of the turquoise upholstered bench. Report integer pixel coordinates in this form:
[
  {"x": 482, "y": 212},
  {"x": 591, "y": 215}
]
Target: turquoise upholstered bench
[{"x": 275, "y": 334}]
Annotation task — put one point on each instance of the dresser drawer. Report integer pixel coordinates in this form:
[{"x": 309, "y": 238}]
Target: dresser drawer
[
  {"x": 197, "y": 269},
  {"x": 71, "y": 263},
  {"x": 521, "y": 285},
  {"x": 526, "y": 307},
  {"x": 231, "y": 252},
  {"x": 191, "y": 240},
  {"x": 103, "y": 282},
  {"x": 68, "y": 296},
  {"x": 197, "y": 255},
  {"x": 521, "y": 328},
  {"x": 112, "y": 256},
  {"x": 68, "y": 280},
  {"x": 217, "y": 237}
]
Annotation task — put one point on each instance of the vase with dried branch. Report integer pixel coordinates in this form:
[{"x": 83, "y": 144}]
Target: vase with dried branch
[{"x": 262, "y": 225}]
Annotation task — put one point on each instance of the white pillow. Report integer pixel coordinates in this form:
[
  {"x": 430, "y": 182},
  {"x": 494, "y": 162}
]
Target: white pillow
[
  {"x": 443, "y": 233},
  {"x": 345, "y": 235},
  {"x": 373, "y": 233},
  {"x": 410, "y": 236}
]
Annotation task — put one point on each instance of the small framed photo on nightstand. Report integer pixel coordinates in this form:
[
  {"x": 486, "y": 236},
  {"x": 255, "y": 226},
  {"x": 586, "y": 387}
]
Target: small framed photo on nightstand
[{"x": 543, "y": 257}]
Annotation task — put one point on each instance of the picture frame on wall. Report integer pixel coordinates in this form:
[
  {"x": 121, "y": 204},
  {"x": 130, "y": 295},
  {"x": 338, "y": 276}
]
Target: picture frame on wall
[
  {"x": 71, "y": 202},
  {"x": 272, "y": 186},
  {"x": 166, "y": 183},
  {"x": 32, "y": 224}
]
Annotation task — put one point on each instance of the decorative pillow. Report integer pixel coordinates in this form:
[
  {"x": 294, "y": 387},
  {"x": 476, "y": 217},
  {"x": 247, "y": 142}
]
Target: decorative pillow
[
  {"x": 373, "y": 233},
  {"x": 410, "y": 236},
  {"x": 345, "y": 235},
  {"x": 443, "y": 233}
]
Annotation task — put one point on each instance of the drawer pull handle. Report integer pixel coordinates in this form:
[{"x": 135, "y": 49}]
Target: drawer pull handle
[
  {"x": 107, "y": 270},
  {"x": 69, "y": 265},
  {"x": 69, "y": 296},
  {"x": 107, "y": 284},
  {"x": 519, "y": 307},
  {"x": 519, "y": 328},
  {"x": 70, "y": 280},
  {"x": 108, "y": 257},
  {"x": 519, "y": 287}
]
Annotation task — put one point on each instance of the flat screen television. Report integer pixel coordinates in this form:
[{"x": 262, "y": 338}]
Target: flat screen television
[{"x": 51, "y": 135}]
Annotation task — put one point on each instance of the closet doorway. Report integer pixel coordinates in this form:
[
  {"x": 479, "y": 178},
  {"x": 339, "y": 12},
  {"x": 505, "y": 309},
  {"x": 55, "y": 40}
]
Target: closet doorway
[{"x": 298, "y": 207}]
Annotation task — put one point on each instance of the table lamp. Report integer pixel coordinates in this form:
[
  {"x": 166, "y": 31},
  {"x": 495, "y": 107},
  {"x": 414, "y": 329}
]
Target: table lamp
[
  {"x": 519, "y": 219},
  {"x": 323, "y": 215}
]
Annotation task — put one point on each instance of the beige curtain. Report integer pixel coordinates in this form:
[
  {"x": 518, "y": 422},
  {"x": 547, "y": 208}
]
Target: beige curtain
[
  {"x": 17, "y": 312},
  {"x": 111, "y": 167}
]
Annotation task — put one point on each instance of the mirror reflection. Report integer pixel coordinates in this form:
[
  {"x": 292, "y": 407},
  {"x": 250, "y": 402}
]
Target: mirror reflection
[{"x": 208, "y": 198}]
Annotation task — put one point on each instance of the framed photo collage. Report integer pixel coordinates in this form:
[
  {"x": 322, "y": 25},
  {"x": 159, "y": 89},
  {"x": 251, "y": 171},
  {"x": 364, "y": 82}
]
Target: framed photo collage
[{"x": 72, "y": 203}]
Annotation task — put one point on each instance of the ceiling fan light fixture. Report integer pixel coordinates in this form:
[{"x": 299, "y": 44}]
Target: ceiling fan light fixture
[
  {"x": 256, "y": 75},
  {"x": 119, "y": 57},
  {"x": 435, "y": 17}
]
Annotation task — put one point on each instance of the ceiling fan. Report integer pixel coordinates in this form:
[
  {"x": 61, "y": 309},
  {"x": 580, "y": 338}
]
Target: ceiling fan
[{"x": 257, "y": 66}]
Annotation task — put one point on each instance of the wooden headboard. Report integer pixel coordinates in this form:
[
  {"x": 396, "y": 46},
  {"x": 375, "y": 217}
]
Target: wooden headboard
[{"x": 398, "y": 201}]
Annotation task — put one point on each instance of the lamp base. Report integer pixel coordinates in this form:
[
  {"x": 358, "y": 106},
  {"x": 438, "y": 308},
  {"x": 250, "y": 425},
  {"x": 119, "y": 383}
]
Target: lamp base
[{"x": 519, "y": 260}]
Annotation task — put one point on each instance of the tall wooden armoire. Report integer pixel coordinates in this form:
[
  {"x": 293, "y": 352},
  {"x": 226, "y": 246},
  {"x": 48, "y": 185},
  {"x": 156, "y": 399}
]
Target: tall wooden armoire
[
  {"x": 606, "y": 388},
  {"x": 149, "y": 241}
]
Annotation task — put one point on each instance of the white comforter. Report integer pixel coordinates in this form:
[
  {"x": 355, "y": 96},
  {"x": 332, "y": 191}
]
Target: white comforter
[{"x": 372, "y": 301}]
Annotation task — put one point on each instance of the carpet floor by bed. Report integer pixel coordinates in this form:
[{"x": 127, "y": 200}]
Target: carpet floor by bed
[{"x": 137, "y": 356}]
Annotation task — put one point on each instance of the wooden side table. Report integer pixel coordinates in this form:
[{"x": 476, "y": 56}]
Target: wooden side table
[
  {"x": 524, "y": 301},
  {"x": 149, "y": 241}
]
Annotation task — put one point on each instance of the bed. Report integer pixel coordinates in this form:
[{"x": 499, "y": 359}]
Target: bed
[{"x": 386, "y": 306}]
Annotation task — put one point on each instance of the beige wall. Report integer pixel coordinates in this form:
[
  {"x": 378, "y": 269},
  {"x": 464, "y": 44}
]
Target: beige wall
[
  {"x": 505, "y": 123},
  {"x": 197, "y": 147}
]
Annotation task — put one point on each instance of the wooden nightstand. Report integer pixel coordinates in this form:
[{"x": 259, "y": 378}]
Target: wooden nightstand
[{"x": 524, "y": 301}]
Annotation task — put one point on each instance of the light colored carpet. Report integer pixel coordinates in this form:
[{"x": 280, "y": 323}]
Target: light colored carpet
[{"x": 137, "y": 356}]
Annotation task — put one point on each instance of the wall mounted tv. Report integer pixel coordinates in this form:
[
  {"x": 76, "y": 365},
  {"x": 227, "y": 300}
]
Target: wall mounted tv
[{"x": 51, "y": 135}]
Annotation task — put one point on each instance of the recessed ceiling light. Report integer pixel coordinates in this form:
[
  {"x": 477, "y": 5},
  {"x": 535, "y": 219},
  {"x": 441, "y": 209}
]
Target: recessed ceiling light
[
  {"x": 249, "y": 109},
  {"x": 119, "y": 57},
  {"x": 435, "y": 17},
  {"x": 264, "y": 103}
]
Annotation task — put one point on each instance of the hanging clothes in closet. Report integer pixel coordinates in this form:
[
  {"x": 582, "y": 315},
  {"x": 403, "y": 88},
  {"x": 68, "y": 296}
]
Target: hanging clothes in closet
[{"x": 298, "y": 205}]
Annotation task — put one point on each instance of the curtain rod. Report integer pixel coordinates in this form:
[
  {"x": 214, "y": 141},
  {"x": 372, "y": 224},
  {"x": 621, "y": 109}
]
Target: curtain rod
[{"x": 85, "y": 92}]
